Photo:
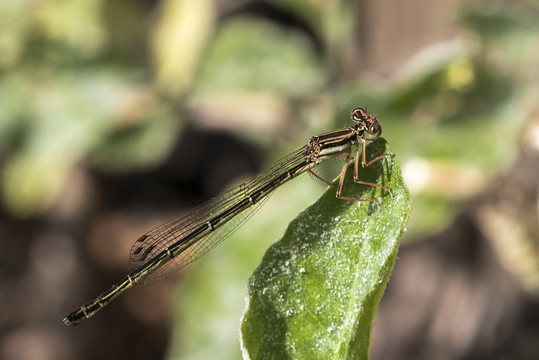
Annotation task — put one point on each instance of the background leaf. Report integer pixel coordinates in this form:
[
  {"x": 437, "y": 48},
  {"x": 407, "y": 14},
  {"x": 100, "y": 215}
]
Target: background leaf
[{"x": 316, "y": 291}]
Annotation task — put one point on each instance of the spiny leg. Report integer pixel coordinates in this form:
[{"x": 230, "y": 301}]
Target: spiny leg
[
  {"x": 364, "y": 164},
  {"x": 341, "y": 182},
  {"x": 319, "y": 177}
]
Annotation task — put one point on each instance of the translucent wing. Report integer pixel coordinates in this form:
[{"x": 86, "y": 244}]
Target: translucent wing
[{"x": 162, "y": 237}]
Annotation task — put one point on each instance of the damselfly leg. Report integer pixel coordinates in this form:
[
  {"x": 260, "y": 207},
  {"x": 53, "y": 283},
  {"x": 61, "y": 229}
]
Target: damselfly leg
[
  {"x": 364, "y": 164},
  {"x": 356, "y": 178}
]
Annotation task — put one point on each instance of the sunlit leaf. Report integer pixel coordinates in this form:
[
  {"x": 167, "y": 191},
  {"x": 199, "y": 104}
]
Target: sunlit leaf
[{"x": 315, "y": 294}]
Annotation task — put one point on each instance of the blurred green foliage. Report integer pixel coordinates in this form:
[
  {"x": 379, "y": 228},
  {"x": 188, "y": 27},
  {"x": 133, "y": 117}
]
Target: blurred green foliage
[
  {"x": 64, "y": 101},
  {"x": 107, "y": 83},
  {"x": 467, "y": 113},
  {"x": 284, "y": 63}
]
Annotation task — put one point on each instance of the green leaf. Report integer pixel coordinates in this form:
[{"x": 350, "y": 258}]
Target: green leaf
[
  {"x": 273, "y": 59},
  {"x": 315, "y": 293}
]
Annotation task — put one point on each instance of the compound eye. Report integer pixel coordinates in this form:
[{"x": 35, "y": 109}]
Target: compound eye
[
  {"x": 358, "y": 114},
  {"x": 375, "y": 129}
]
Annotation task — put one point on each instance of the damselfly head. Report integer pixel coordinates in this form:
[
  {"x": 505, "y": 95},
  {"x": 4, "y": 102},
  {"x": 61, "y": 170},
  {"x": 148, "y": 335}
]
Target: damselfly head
[
  {"x": 359, "y": 115},
  {"x": 370, "y": 123}
]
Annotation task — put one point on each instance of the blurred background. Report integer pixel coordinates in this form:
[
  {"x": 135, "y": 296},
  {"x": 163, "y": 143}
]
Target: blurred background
[{"x": 116, "y": 116}]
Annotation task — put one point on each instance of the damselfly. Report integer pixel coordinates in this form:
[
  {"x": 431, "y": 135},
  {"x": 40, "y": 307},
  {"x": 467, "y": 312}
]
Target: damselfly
[{"x": 178, "y": 242}]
